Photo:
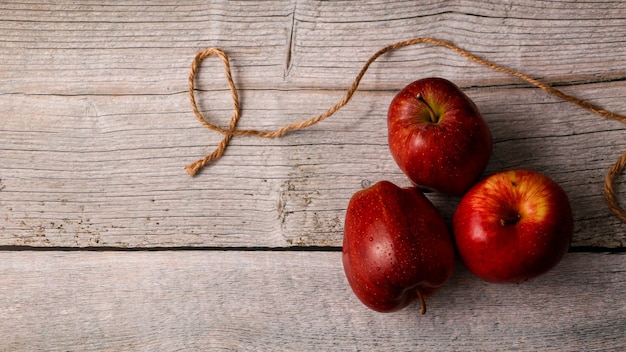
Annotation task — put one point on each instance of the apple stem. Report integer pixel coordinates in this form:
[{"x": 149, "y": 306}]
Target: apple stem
[
  {"x": 511, "y": 219},
  {"x": 420, "y": 296},
  {"x": 433, "y": 116}
]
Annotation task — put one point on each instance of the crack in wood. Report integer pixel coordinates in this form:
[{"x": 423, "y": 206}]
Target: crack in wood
[{"x": 290, "y": 42}]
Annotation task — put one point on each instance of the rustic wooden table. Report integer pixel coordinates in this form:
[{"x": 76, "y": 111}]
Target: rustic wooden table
[{"x": 107, "y": 244}]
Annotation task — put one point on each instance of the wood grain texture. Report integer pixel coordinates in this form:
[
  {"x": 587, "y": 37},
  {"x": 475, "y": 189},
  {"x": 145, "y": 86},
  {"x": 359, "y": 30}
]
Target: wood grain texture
[
  {"x": 215, "y": 300},
  {"x": 96, "y": 126},
  {"x": 113, "y": 180}
]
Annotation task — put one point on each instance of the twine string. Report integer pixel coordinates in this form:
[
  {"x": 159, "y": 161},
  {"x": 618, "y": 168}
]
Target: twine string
[{"x": 613, "y": 174}]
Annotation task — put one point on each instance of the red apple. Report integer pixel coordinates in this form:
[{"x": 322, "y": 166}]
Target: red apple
[
  {"x": 513, "y": 226},
  {"x": 396, "y": 247},
  {"x": 437, "y": 136}
]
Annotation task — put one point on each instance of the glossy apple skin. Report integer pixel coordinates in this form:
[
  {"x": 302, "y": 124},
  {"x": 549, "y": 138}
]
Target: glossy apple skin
[
  {"x": 448, "y": 155},
  {"x": 513, "y": 226},
  {"x": 395, "y": 243}
]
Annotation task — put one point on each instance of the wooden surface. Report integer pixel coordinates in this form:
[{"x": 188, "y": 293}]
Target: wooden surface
[
  {"x": 293, "y": 301},
  {"x": 107, "y": 244}
]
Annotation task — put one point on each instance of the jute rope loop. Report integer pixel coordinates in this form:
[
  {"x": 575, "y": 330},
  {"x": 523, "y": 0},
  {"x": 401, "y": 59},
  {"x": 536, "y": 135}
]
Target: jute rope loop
[{"x": 611, "y": 177}]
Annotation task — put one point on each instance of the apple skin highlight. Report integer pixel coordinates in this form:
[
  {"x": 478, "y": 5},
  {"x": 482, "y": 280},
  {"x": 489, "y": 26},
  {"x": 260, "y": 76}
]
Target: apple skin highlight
[{"x": 513, "y": 226}]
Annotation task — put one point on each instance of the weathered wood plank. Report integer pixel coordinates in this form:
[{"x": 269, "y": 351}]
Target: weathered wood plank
[
  {"x": 108, "y": 171},
  {"x": 96, "y": 127},
  {"x": 69, "y": 48},
  {"x": 214, "y": 300},
  {"x": 132, "y": 48},
  {"x": 548, "y": 39}
]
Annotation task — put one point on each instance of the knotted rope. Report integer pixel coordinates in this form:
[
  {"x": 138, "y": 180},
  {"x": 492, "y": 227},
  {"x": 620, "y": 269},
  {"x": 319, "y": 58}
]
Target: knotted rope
[{"x": 232, "y": 130}]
